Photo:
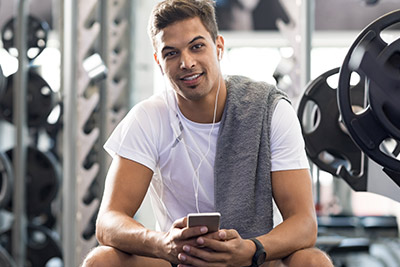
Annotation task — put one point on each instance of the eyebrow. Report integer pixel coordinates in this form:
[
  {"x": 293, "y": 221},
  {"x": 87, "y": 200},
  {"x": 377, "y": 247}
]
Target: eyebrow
[{"x": 192, "y": 41}]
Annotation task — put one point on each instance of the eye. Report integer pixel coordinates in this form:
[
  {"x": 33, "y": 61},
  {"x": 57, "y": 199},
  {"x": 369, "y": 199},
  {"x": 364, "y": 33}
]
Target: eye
[
  {"x": 170, "y": 54},
  {"x": 197, "y": 46}
]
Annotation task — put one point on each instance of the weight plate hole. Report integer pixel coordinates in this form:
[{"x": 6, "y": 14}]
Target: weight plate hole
[
  {"x": 45, "y": 90},
  {"x": 333, "y": 81},
  {"x": 8, "y": 35},
  {"x": 333, "y": 159},
  {"x": 13, "y": 52},
  {"x": 40, "y": 34},
  {"x": 390, "y": 33},
  {"x": 354, "y": 78},
  {"x": 38, "y": 239},
  {"x": 390, "y": 147},
  {"x": 311, "y": 117},
  {"x": 54, "y": 115},
  {"x": 41, "y": 43},
  {"x": 33, "y": 52}
]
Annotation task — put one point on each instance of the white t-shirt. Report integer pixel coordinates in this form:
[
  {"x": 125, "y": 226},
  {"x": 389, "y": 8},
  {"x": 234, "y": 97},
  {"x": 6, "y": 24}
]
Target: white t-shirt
[{"x": 181, "y": 153}]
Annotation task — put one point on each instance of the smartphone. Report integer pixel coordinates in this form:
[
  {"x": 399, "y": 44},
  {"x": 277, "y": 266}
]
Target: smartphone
[{"x": 209, "y": 219}]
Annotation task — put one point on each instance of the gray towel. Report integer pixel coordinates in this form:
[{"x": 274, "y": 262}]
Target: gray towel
[{"x": 242, "y": 167}]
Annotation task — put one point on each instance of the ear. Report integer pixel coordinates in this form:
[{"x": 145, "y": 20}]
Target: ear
[
  {"x": 220, "y": 46},
  {"x": 158, "y": 62}
]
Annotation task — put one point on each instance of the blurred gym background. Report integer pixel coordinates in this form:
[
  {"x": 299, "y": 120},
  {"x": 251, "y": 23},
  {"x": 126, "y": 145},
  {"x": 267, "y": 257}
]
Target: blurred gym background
[{"x": 84, "y": 64}]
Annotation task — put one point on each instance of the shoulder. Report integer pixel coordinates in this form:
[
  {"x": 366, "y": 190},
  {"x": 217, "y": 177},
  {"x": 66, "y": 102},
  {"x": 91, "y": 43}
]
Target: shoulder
[
  {"x": 150, "y": 108},
  {"x": 150, "y": 115},
  {"x": 242, "y": 86}
]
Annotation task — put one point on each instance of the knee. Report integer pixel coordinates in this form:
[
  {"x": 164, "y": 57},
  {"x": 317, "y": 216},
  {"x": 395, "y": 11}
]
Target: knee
[
  {"x": 319, "y": 258},
  {"x": 311, "y": 257},
  {"x": 101, "y": 256}
]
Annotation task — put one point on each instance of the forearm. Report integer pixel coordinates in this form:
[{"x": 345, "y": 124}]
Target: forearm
[
  {"x": 296, "y": 232},
  {"x": 126, "y": 234}
]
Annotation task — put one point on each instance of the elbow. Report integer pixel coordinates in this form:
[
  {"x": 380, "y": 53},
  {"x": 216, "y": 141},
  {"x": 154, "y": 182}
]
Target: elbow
[
  {"x": 100, "y": 230},
  {"x": 312, "y": 232},
  {"x": 99, "y": 236}
]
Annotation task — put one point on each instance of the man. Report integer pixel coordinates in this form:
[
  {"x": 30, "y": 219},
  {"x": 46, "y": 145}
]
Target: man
[{"x": 206, "y": 144}]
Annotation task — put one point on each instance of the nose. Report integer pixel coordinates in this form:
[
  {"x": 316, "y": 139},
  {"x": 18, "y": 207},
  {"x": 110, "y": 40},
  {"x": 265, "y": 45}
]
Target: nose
[{"x": 187, "y": 61}]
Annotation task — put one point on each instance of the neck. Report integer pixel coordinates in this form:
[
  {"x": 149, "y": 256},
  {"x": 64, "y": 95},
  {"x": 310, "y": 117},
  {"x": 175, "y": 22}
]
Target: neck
[{"x": 202, "y": 111}]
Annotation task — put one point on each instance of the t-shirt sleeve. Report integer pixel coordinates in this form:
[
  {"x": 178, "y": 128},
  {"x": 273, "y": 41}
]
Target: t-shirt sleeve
[
  {"x": 287, "y": 143},
  {"x": 135, "y": 138}
]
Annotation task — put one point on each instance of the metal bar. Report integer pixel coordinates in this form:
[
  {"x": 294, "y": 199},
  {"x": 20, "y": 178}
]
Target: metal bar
[
  {"x": 19, "y": 231},
  {"x": 104, "y": 47},
  {"x": 69, "y": 85},
  {"x": 307, "y": 28}
]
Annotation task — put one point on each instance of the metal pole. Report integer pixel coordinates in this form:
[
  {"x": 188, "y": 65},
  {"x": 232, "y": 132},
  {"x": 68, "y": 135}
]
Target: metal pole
[
  {"x": 104, "y": 47},
  {"x": 19, "y": 231},
  {"x": 306, "y": 32},
  {"x": 69, "y": 85},
  {"x": 307, "y": 28}
]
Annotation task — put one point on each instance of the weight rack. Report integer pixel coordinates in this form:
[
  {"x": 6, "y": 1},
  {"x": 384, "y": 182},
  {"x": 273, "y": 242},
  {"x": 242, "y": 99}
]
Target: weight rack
[
  {"x": 87, "y": 28},
  {"x": 78, "y": 109}
]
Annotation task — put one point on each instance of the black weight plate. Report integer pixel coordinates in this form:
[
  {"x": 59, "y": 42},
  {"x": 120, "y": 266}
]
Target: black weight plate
[
  {"x": 384, "y": 90},
  {"x": 47, "y": 218},
  {"x": 43, "y": 180},
  {"x": 42, "y": 246},
  {"x": 6, "y": 180},
  {"x": 366, "y": 128},
  {"x": 5, "y": 259},
  {"x": 40, "y": 98},
  {"x": 38, "y": 31},
  {"x": 3, "y": 82},
  {"x": 328, "y": 145},
  {"x": 328, "y": 136}
]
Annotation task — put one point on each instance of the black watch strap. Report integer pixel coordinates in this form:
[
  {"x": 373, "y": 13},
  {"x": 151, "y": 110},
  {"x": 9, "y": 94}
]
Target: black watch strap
[{"x": 260, "y": 255}]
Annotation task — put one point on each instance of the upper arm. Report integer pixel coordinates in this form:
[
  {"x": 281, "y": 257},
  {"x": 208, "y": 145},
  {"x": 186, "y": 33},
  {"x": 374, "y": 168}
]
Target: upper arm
[
  {"x": 287, "y": 143},
  {"x": 126, "y": 185},
  {"x": 292, "y": 191}
]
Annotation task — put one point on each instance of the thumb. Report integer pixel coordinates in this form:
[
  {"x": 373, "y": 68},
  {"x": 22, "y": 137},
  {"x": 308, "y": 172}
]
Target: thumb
[{"x": 180, "y": 223}]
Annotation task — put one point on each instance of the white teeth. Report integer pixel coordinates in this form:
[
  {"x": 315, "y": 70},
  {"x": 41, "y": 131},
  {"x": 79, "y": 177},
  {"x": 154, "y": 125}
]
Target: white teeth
[{"x": 191, "y": 77}]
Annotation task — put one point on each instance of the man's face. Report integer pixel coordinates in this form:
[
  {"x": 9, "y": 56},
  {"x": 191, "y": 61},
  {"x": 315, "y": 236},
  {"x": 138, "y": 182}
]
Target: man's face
[{"x": 188, "y": 56}]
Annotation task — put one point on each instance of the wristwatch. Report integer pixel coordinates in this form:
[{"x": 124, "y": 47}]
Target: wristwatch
[{"x": 260, "y": 255}]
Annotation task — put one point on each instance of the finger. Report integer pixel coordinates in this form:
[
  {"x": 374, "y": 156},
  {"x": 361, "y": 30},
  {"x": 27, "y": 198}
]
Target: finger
[
  {"x": 193, "y": 232},
  {"x": 204, "y": 254},
  {"x": 180, "y": 223},
  {"x": 228, "y": 234},
  {"x": 216, "y": 245},
  {"x": 213, "y": 235}
]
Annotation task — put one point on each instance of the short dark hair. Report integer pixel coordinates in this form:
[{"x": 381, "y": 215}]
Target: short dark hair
[{"x": 169, "y": 11}]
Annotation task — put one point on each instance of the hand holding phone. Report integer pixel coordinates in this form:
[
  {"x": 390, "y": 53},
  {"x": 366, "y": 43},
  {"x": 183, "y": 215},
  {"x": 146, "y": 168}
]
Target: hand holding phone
[{"x": 209, "y": 219}]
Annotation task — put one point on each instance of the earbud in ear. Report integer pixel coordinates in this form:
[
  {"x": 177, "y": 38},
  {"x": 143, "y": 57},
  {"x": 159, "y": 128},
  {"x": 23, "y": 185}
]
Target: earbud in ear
[{"x": 219, "y": 54}]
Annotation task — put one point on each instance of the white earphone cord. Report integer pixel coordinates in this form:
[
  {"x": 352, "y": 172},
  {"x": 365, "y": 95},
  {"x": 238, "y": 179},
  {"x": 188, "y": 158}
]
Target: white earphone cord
[{"x": 196, "y": 173}]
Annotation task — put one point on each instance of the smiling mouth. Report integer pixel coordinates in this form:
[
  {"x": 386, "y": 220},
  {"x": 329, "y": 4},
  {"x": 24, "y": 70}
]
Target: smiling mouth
[{"x": 192, "y": 78}]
